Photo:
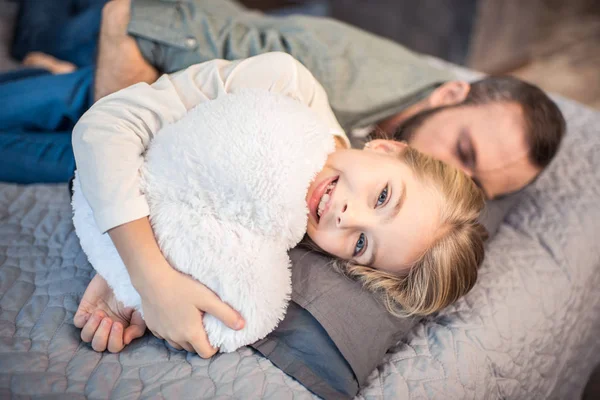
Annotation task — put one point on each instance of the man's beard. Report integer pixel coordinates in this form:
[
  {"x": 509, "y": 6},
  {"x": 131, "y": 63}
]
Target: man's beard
[{"x": 407, "y": 129}]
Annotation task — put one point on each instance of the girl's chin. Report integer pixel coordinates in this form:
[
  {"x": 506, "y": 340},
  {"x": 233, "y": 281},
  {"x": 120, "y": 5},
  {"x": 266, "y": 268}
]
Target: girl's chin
[{"x": 311, "y": 233}]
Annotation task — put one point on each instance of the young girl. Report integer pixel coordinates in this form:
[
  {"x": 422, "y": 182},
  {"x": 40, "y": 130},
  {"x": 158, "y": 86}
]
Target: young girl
[{"x": 405, "y": 224}]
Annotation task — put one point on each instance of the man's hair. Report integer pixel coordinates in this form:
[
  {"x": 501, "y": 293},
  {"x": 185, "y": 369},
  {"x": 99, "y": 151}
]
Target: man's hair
[{"x": 544, "y": 123}]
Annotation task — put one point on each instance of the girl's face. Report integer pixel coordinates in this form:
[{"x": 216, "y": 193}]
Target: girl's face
[{"x": 367, "y": 206}]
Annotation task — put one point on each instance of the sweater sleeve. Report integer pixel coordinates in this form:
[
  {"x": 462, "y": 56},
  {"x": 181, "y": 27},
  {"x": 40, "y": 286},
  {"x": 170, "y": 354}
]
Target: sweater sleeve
[{"x": 110, "y": 140}]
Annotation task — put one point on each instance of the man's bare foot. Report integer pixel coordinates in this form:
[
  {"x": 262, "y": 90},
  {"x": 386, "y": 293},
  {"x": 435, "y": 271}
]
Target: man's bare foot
[
  {"x": 42, "y": 60},
  {"x": 120, "y": 61},
  {"x": 106, "y": 323}
]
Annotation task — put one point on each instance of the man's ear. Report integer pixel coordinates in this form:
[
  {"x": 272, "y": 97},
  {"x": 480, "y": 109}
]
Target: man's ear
[
  {"x": 386, "y": 146},
  {"x": 449, "y": 94}
]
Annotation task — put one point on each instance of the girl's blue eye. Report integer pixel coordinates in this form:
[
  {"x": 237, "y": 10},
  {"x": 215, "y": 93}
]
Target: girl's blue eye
[
  {"x": 382, "y": 197},
  {"x": 360, "y": 244}
]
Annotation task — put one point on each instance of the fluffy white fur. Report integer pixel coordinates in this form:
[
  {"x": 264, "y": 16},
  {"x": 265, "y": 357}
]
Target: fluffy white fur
[{"x": 226, "y": 186}]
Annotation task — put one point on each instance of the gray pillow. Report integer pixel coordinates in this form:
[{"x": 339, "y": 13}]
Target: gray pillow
[{"x": 347, "y": 317}]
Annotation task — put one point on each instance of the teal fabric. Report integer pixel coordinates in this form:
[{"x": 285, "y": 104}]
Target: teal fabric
[
  {"x": 366, "y": 77},
  {"x": 35, "y": 129},
  {"x": 301, "y": 347}
]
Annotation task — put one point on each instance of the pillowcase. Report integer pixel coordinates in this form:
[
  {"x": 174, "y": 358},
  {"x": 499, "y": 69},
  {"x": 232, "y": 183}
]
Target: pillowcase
[
  {"x": 344, "y": 319},
  {"x": 303, "y": 349}
]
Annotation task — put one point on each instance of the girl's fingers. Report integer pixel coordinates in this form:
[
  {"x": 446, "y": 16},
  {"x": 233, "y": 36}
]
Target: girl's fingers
[
  {"x": 174, "y": 345},
  {"x": 199, "y": 341},
  {"x": 90, "y": 327},
  {"x": 157, "y": 335},
  {"x": 136, "y": 329},
  {"x": 100, "y": 340},
  {"x": 115, "y": 338},
  {"x": 187, "y": 347},
  {"x": 81, "y": 318},
  {"x": 210, "y": 303}
]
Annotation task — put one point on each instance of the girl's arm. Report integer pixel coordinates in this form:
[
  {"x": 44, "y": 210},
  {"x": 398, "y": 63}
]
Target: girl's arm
[
  {"x": 109, "y": 143},
  {"x": 111, "y": 138},
  {"x": 173, "y": 302}
]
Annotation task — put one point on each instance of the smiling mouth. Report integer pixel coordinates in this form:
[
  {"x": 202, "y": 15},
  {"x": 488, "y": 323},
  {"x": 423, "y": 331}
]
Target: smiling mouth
[{"x": 324, "y": 201}]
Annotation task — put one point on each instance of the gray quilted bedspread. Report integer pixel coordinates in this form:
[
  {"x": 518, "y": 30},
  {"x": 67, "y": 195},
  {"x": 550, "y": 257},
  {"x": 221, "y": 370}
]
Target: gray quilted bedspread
[{"x": 528, "y": 330}]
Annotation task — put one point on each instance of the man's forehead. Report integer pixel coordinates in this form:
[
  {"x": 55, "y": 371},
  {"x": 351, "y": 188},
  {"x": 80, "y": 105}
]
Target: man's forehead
[
  {"x": 506, "y": 177},
  {"x": 499, "y": 141},
  {"x": 493, "y": 156},
  {"x": 502, "y": 150}
]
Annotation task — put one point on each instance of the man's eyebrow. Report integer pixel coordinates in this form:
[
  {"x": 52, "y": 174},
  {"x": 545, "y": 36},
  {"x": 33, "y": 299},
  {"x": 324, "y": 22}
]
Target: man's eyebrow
[
  {"x": 473, "y": 157},
  {"x": 472, "y": 152}
]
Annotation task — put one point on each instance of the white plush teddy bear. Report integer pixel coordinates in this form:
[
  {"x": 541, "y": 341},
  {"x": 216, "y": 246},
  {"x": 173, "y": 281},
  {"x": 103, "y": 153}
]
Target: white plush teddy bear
[{"x": 226, "y": 186}]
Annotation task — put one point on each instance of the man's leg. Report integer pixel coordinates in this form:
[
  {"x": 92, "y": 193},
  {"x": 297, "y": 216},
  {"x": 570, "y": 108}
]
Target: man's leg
[
  {"x": 33, "y": 20},
  {"x": 53, "y": 102},
  {"x": 65, "y": 29},
  {"x": 36, "y": 157},
  {"x": 31, "y": 149},
  {"x": 120, "y": 63},
  {"x": 21, "y": 73}
]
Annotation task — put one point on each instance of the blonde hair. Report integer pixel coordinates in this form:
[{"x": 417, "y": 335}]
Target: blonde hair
[{"x": 448, "y": 268}]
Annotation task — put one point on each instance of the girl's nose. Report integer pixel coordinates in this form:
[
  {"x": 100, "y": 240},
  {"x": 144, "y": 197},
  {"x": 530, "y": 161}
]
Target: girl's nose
[{"x": 344, "y": 217}]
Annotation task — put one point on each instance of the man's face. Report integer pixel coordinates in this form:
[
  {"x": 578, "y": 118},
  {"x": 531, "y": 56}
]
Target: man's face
[{"x": 486, "y": 141}]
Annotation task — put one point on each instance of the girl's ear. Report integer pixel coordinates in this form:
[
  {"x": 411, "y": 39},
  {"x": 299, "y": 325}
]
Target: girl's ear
[
  {"x": 386, "y": 146},
  {"x": 449, "y": 94}
]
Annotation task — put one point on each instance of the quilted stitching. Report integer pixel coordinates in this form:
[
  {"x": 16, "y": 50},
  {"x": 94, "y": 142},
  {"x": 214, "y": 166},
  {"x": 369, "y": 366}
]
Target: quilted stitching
[
  {"x": 529, "y": 328},
  {"x": 43, "y": 273}
]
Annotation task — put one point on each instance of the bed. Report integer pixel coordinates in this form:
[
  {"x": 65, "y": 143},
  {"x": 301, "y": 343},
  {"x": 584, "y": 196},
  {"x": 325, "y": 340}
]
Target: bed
[{"x": 528, "y": 329}]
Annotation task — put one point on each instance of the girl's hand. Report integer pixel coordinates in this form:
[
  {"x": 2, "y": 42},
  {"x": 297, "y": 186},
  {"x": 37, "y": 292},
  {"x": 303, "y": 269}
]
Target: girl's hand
[
  {"x": 173, "y": 309},
  {"x": 108, "y": 325},
  {"x": 173, "y": 303},
  {"x": 105, "y": 322}
]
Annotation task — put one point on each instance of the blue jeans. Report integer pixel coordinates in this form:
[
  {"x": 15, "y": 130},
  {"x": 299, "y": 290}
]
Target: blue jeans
[
  {"x": 65, "y": 29},
  {"x": 38, "y": 112},
  {"x": 39, "y": 109}
]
